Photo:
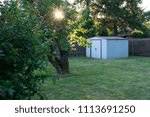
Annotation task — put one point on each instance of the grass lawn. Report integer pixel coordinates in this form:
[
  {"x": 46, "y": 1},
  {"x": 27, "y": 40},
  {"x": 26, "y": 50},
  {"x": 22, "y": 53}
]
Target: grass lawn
[{"x": 102, "y": 79}]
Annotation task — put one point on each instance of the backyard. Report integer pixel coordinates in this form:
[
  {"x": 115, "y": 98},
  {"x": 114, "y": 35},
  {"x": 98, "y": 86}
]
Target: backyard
[
  {"x": 98, "y": 79},
  {"x": 37, "y": 37}
]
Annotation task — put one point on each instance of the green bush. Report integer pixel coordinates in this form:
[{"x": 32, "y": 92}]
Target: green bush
[
  {"x": 137, "y": 34},
  {"x": 20, "y": 52}
]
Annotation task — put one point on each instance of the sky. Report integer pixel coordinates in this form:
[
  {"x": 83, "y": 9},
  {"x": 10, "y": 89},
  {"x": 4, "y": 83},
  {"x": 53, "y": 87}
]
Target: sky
[{"x": 146, "y": 5}]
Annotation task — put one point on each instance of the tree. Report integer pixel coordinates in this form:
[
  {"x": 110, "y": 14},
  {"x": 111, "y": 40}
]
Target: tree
[
  {"x": 21, "y": 51},
  {"x": 119, "y": 14},
  {"x": 146, "y": 16},
  {"x": 85, "y": 17},
  {"x": 114, "y": 15},
  {"x": 146, "y": 20},
  {"x": 60, "y": 33}
]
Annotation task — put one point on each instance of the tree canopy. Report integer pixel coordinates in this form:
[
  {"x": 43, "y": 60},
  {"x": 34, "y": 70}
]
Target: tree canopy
[{"x": 116, "y": 15}]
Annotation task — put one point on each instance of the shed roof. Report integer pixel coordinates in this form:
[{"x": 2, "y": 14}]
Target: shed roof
[{"x": 108, "y": 38}]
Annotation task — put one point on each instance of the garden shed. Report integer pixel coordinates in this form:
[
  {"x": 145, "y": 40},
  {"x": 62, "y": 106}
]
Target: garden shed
[{"x": 107, "y": 47}]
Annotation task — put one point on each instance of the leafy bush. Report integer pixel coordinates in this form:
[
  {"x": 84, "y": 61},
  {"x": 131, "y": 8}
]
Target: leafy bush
[
  {"x": 20, "y": 52},
  {"x": 137, "y": 34}
]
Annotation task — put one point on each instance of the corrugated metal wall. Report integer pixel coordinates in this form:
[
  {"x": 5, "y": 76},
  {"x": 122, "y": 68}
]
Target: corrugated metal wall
[{"x": 117, "y": 48}]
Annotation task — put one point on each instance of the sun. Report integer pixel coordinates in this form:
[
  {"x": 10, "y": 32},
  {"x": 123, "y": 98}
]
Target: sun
[{"x": 58, "y": 14}]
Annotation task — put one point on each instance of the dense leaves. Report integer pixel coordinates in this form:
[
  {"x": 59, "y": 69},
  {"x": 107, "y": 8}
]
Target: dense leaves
[
  {"x": 20, "y": 52},
  {"x": 119, "y": 16}
]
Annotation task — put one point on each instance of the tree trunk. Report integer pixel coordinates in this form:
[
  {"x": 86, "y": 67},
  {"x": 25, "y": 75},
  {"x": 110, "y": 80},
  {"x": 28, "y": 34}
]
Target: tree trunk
[
  {"x": 61, "y": 64},
  {"x": 64, "y": 61}
]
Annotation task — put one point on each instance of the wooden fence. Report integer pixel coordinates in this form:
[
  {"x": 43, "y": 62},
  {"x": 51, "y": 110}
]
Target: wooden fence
[
  {"x": 139, "y": 47},
  {"x": 80, "y": 51}
]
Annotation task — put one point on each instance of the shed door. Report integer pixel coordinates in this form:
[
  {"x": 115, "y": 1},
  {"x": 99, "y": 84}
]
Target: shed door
[
  {"x": 96, "y": 49},
  {"x": 88, "y": 51}
]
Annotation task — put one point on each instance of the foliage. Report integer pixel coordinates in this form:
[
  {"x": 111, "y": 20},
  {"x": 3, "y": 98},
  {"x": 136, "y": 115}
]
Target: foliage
[
  {"x": 1, "y": 54},
  {"x": 82, "y": 29},
  {"x": 137, "y": 34},
  {"x": 85, "y": 19},
  {"x": 116, "y": 15},
  {"x": 140, "y": 34},
  {"x": 147, "y": 24},
  {"x": 61, "y": 33},
  {"x": 104, "y": 32},
  {"x": 21, "y": 51},
  {"x": 146, "y": 16}
]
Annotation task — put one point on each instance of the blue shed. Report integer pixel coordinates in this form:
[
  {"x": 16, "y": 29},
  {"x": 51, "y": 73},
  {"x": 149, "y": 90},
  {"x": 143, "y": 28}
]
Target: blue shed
[{"x": 107, "y": 47}]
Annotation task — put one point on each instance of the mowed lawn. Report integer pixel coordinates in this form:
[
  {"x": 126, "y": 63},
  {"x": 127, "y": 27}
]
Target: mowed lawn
[{"x": 111, "y": 79}]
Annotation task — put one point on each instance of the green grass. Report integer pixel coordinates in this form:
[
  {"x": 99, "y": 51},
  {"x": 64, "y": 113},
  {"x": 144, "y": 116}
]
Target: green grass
[{"x": 102, "y": 79}]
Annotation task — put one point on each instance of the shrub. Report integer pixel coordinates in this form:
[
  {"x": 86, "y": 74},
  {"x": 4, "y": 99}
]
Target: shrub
[
  {"x": 137, "y": 34},
  {"x": 20, "y": 52}
]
